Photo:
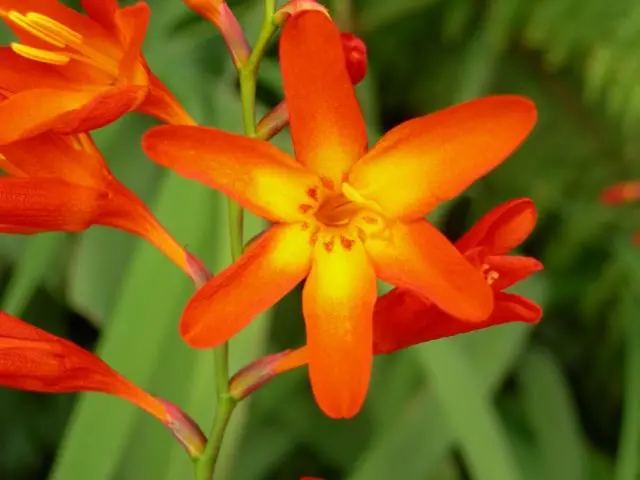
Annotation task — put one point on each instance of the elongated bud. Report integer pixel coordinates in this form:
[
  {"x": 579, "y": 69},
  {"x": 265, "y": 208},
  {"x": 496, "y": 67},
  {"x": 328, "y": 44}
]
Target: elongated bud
[
  {"x": 256, "y": 374},
  {"x": 219, "y": 13},
  {"x": 355, "y": 53},
  {"x": 184, "y": 429},
  {"x": 197, "y": 271}
]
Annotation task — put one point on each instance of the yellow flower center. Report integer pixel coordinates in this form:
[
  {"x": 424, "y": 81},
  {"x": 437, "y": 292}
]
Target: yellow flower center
[
  {"x": 341, "y": 218},
  {"x": 70, "y": 44}
]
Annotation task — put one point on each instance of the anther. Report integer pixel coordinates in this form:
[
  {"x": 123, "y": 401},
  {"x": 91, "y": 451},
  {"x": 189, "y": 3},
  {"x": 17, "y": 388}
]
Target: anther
[
  {"x": 39, "y": 55},
  {"x": 304, "y": 208},
  {"x": 347, "y": 243},
  {"x": 313, "y": 193},
  {"x": 328, "y": 245}
]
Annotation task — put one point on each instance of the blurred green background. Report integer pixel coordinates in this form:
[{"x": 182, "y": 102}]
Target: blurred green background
[{"x": 556, "y": 401}]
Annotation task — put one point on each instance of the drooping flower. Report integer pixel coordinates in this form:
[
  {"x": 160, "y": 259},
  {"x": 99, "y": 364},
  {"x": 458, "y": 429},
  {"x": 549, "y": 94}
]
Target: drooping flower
[
  {"x": 403, "y": 318},
  {"x": 621, "y": 192},
  {"x": 342, "y": 216},
  {"x": 32, "y": 359},
  {"x": 73, "y": 73},
  {"x": 61, "y": 183}
]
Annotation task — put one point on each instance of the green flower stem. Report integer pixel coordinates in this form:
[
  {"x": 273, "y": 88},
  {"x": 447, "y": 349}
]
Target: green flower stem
[{"x": 205, "y": 464}]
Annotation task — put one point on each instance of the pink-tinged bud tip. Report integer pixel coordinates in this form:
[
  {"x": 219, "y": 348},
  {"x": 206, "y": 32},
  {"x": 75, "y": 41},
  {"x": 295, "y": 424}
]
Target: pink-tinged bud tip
[
  {"x": 255, "y": 375},
  {"x": 185, "y": 429},
  {"x": 198, "y": 272},
  {"x": 295, "y": 7}
]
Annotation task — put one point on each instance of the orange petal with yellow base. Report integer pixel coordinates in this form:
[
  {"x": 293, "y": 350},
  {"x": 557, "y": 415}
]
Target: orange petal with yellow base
[
  {"x": 337, "y": 301},
  {"x": 502, "y": 229},
  {"x": 269, "y": 268},
  {"x": 417, "y": 256},
  {"x": 428, "y": 160},
  {"x": 327, "y": 128},
  {"x": 38, "y": 205},
  {"x": 252, "y": 172}
]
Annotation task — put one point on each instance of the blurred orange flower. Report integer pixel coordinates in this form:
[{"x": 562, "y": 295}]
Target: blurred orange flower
[
  {"x": 61, "y": 183},
  {"x": 32, "y": 359},
  {"x": 73, "y": 73},
  {"x": 342, "y": 216},
  {"x": 403, "y": 318}
]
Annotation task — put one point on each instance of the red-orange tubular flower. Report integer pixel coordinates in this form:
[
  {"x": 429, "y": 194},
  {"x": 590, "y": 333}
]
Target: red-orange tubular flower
[
  {"x": 342, "y": 215},
  {"x": 403, "y": 318},
  {"x": 61, "y": 183},
  {"x": 73, "y": 73},
  {"x": 32, "y": 359},
  {"x": 622, "y": 192}
]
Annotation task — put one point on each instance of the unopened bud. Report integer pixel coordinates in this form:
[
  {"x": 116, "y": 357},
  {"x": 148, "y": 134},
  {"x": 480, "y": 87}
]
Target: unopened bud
[
  {"x": 355, "y": 54},
  {"x": 255, "y": 375},
  {"x": 184, "y": 429}
]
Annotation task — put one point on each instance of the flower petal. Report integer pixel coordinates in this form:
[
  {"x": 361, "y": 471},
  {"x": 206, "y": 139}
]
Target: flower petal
[
  {"x": 511, "y": 269},
  {"x": 425, "y": 161},
  {"x": 402, "y": 319},
  {"x": 51, "y": 155},
  {"x": 338, "y": 301},
  {"x": 39, "y": 205},
  {"x": 417, "y": 256},
  {"x": 252, "y": 172},
  {"x": 327, "y": 128},
  {"x": 32, "y": 359},
  {"x": 502, "y": 229},
  {"x": 269, "y": 268},
  {"x": 163, "y": 105},
  {"x": 132, "y": 22},
  {"x": 125, "y": 211},
  {"x": 18, "y": 73},
  {"x": 102, "y": 12},
  {"x": 33, "y": 112},
  {"x": 515, "y": 308}
]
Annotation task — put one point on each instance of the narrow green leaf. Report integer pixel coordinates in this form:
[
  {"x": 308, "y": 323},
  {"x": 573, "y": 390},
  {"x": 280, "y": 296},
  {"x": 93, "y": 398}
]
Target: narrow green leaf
[
  {"x": 472, "y": 416},
  {"x": 423, "y": 426},
  {"x": 147, "y": 312},
  {"x": 628, "y": 458},
  {"x": 552, "y": 415},
  {"x": 34, "y": 264}
]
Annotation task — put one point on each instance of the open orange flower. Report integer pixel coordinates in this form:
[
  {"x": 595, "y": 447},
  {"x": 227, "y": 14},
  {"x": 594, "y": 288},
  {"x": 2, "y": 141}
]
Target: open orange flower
[
  {"x": 32, "y": 359},
  {"x": 61, "y": 183},
  {"x": 73, "y": 73},
  {"x": 342, "y": 216},
  {"x": 403, "y": 318}
]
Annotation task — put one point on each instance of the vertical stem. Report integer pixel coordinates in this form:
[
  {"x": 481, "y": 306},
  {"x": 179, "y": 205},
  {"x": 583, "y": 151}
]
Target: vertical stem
[{"x": 206, "y": 463}]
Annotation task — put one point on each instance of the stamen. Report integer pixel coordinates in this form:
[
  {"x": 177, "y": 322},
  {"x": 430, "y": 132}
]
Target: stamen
[
  {"x": 23, "y": 22},
  {"x": 347, "y": 243},
  {"x": 54, "y": 28},
  {"x": 328, "y": 245},
  {"x": 39, "y": 55},
  {"x": 313, "y": 193},
  {"x": 490, "y": 275}
]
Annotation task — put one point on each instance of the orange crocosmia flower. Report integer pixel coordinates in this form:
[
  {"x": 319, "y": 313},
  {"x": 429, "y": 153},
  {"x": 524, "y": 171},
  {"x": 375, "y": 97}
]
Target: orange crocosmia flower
[
  {"x": 32, "y": 359},
  {"x": 73, "y": 73},
  {"x": 403, "y": 318},
  {"x": 61, "y": 183},
  {"x": 342, "y": 216},
  {"x": 622, "y": 192}
]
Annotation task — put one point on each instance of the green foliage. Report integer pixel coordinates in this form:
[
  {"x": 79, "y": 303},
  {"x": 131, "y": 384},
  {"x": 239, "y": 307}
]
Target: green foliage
[{"x": 557, "y": 401}]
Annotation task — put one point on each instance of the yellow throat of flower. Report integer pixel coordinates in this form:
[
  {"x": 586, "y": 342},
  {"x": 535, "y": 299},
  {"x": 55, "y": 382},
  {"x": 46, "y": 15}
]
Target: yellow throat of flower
[{"x": 344, "y": 216}]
